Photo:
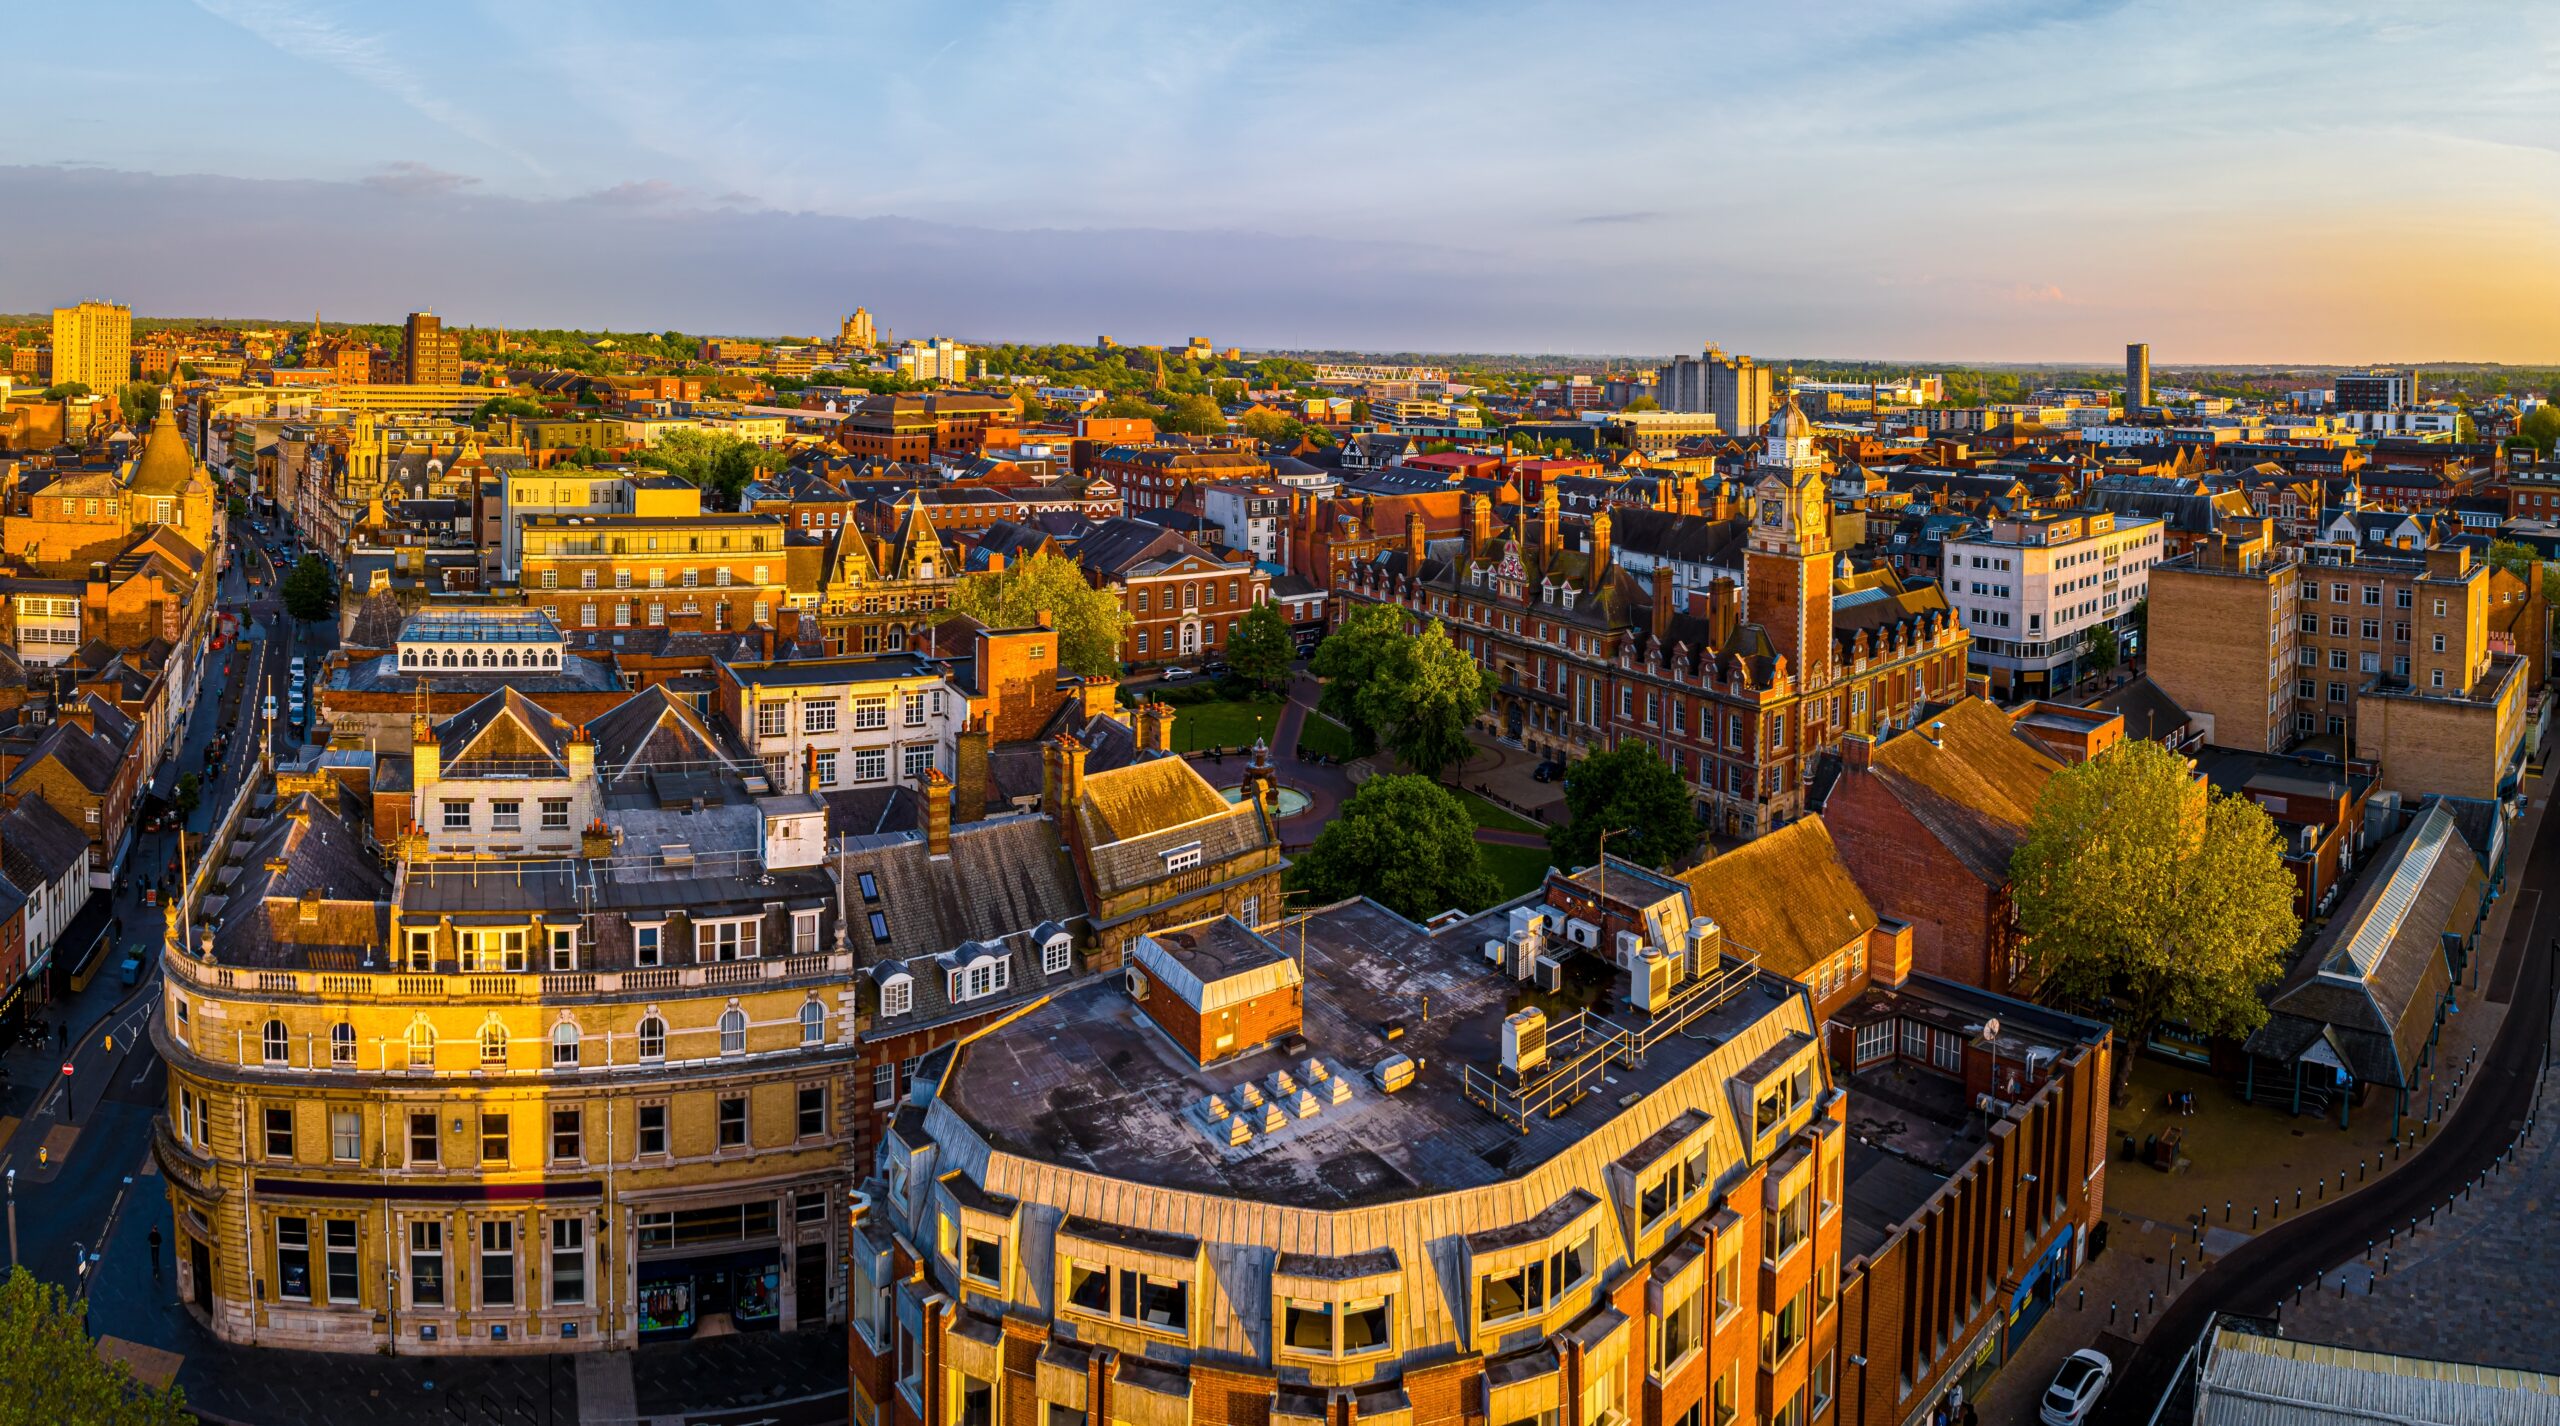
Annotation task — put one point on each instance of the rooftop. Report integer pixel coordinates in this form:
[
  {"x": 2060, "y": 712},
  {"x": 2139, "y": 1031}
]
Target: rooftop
[
  {"x": 480, "y": 626},
  {"x": 1088, "y": 1082}
]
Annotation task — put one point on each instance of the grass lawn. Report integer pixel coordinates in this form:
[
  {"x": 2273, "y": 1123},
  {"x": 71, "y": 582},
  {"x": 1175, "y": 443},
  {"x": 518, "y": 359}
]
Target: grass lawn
[
  {"x": 1320, "y": 734},
  {"x": 1519, "y": 870},
  {"x": 1495, "y": 815},
  {"x": 1224, "y": 723}
]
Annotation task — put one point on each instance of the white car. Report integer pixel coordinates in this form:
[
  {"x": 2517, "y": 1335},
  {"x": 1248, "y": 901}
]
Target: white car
[
  {"x": 1176, "y": 674},
  {"x": 2076, "y": 1384}
]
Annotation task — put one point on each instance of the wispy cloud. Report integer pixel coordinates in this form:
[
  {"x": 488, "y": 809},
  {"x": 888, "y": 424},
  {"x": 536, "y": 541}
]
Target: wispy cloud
[
  {"x": 309, "y": 33},
  {"x": 418, "y": 179}
]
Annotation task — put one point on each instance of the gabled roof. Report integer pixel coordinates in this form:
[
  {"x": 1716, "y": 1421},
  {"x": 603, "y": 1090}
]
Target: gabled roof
[
  {"x": 1145, "y": 797},
  {"x": 1970, "y": 780},
  {"x": 1785, "y": 895},
  {"x": 1005, "y": 875},
  {"x": 506, "y": 728},
  {"x": 39, "y": 846},
  {"x": 651, "y": 728}
]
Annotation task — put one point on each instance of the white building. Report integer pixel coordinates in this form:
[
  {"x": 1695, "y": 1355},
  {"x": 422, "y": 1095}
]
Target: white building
[
  {"x": 2033, "y": 590},
  {"x": 1251, "y": 517},
  {"x": 844, "y": 724},
  {"x": 941, "y": 359},
  {"x": 561, "y": 490}
]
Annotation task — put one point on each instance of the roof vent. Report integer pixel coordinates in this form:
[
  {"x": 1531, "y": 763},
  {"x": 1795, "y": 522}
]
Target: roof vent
[
  {"x": 676, "y": 854},
  {"x": 1394, "y": 1072}
]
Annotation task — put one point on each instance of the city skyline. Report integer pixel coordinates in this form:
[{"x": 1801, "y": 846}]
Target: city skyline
[{"x": 1845, "y": 185}]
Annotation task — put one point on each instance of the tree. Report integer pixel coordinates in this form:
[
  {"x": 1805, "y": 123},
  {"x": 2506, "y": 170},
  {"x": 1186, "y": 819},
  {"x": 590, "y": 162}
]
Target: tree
[
  {"x": 1193, "y": 416},
  {"x": 1349, "y": 659},
  {"x": 1630, "y": 793},
  {"x": 139, "y": 401},
  {"x": 1267, "y": 425},
  {"x": 2514, "y": 558},
  {"x": 1424, "y": 696},
  {"x": 1089, "y": 621},
  {"x": 1260, "y": 648},
  {"x": 2540, "y": 428},
  {"x": 308, "y": 590},
  {"x": 1644, "y": 403},
  {"x": 1407, "y": 843},
  {"x": 2103, "y": 652},
  {"x": 2144, "y": 894},
  {"x": 188, "y": 792},
  {"x": 50, "y": 1371},
  {"x": 497, "y": 406},
  {"x": 66, "y": 391},
  {"x": 722, "y": 464},
  {"x": 1129, "y": 408}
]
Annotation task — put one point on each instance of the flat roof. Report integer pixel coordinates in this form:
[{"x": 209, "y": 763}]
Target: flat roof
[
  {"x": 1034, "y": 1090},
  {"x": 874, "y": 668}
]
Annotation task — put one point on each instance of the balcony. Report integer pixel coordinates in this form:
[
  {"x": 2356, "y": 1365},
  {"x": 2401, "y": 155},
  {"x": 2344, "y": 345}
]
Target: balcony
[{"x": 526, "y": 987}]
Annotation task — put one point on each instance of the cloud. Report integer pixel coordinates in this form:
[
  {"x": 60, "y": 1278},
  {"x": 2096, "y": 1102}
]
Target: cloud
[
  {"x": 417, "y": 179},
  {"x": 642, "y": 193},
  {"x": 2037, "y": 294},
  {"x": 311, "y": 34}
]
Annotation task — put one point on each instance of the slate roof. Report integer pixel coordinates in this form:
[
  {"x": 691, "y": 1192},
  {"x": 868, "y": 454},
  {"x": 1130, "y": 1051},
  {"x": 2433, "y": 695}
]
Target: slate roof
[
  {"x": 2252, "y": 1380},
  {"x": 1005, "y": 877},
  {"x": 651, "y": 728},
  {"x": 307, "y": 854},
  {"x": 39, "y": 846},
  {"x": 1974, "y": 787},
  {"x": 1785, "y": 896},
  {"x": 2371, "y": 981},
  {"x": 505, "y": 727},
  {"x": 2147, "y": 709}
]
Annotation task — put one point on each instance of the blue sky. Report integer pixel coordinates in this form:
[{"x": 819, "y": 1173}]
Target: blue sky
[{"x": 2332, "y": 182}]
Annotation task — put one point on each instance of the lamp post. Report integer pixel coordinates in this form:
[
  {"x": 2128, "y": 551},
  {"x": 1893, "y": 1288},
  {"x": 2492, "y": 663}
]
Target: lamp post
[{"x": 13, "y": 1218}]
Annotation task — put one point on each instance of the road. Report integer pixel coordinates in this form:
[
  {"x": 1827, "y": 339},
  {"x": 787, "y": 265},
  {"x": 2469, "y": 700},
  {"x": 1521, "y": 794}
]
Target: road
[
  {"x": 76, "y": 1144},
  {"x": 2255, "y": 1278}
]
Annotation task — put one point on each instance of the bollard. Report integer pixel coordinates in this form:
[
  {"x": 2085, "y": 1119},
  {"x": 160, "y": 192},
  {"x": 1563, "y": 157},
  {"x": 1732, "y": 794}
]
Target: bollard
[
  {"x": 2359, "y": 1171},
  {"x": 2297, "y": 1200},
  {"x": 2111, "y": 1314},
  {"x": 2253, "y": 1218},
  {"x": 2226, "y": 1210},
  {"x": 2137, "y": 1324},
  {"x": 2150, "y": 1301},
  {"x": 2297, "y": 1293},
  {"x": 2386, "y": 1266},
  {"x": 2342, "y": 1284},
  {"x": 2368, "y": 1250}
]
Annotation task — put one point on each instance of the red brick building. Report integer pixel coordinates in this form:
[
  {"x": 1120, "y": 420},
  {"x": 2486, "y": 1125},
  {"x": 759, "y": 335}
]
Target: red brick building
[{"x": 1183, "y": 598}]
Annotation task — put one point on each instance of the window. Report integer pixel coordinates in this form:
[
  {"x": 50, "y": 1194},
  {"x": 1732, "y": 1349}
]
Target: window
[
  {"x": 1654, "y": 1202},
  {"x": 1822, "y": 1381},
  {"x": 913, "y": 706},
  {"x": 424, "y": 1146},
  {"x": 1680, "y": 1334},
  {"x": 897, "y": 994},
  {"x": 279, "y": 1132},
  {"x": 457, "y": 816},
  {"x": 818, "y": 715},
  {"x": 871, "y": 765},
  {"x": 733, "y": 1121},
  {"x": 1142, "y": 1299},
  {"x": 1320, "y": 1328},
  {"x": 813, "y": 1023},
  {"x": 493, "y": 1044},
  {"x": 1728, "y": 1282},
  {"x": 426, "y": 1263},
  {"x": 644, "y": 945},
  {"x": 724, "y": 940},
  {"x": 653, "y": 1129},
  {"x": 884, "y": 1086},
  {"x": 916, "y": 762},
  {"x": 493, "y": 1138},
  {"x": 2436, "y": 641},
  {"x": 1183, "y": 859},
  {"x": 1728, "y": 1393},
  {"x": 1874, "y": 1042},
  {"x": 568, "y": 1136},
  {"x": 555, "y": 814},
  {"x": 506, "y": 815},
  {"x": 772, "y": 720},
  {"x": 733, "y": 1031},
  {"x": 1788, "y": 1228},
  {"x": 871, "y": 713},
  {"x": 1056, "y": 954},
  {"x": 293, "y": 1259},
  {"x": 422, "y": 950},
  {"x": 653, "y": 1038},
  {"x": 339, "y": 1236},
  {"x": 1782, "y": 1331},
  {"x": 813, "y": 1111},
  {"x": 272, "y": 1045},
  {"x": 804, "y": 932},
  {"x": 346, "y": 1135},
  {"x": 568, "y": 1262},
  {"x": 1532, "y": 1286},
  {"x": 497, "y": 1263},
  {"x": 823, "y": 770}
]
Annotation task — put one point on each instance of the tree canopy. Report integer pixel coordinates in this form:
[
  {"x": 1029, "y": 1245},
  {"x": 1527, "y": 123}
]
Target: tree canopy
[
  {"x": 1349, "y": 658},
  {"x": 1090, "y": 621},
  {"x": 139, "y": 401},
  {"x": 1633, "y": 795},
  {"x": 50, "y": 1371},
  {"x": 722, "y": 464},
  {"x": 1193, "y": 416},
  {"x": 66, "y": 391},
  {"x": 2540, "y": 428},
  {"x": 1406, "y": 842},
  {"x": 2147, "y": 897},
  {"x": 308, "y": 590},
  {"x": 1415, "y": 694},
  {"x": 1261, "y": 648},
  {"x": 497, "y": 406}
]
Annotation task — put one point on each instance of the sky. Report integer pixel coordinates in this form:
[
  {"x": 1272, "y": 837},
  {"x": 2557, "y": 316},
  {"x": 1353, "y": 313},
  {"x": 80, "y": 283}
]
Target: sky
[{"x": 1926, "y": 180}]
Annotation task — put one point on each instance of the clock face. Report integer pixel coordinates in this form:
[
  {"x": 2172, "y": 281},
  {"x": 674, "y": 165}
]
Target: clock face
[{"x": 1769, "y": 512}]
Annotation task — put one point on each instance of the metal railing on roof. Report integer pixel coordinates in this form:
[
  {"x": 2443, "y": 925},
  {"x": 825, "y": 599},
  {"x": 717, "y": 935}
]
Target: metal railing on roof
[{"x": 1583, "y": 1046}]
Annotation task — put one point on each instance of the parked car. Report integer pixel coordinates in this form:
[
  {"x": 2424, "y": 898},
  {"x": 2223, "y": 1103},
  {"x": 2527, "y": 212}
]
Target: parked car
[
  {"x": 1176, "y": 674},
  {"x": 2076, "y": 1385}
]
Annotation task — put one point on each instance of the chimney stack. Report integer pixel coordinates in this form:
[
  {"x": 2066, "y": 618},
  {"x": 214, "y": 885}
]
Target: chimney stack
[
  {"x": 1416, "y": 540},
  {"x": 937, "y": 813},
  {"x": 1600, "y": 551},
  {"x": 1480, "y": 526},
  {"x": 1062, "y": 777},
  {"x": 1857, "y": 752},
  {"x": 1663, "y": 603},
  {"x": 970, "y": 755}
]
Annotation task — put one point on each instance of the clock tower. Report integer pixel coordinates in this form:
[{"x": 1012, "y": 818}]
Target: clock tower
[{"x": 1787, "y": 566}]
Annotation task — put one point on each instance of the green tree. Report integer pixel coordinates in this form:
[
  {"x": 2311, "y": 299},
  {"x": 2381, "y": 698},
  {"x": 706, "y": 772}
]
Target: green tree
[
  {"x": 2540, "y": 428},
  {"x": 1359, "y": 410},
  {"x": 1260, "y": 647},
  {"x": 722, "y": 464},
  {"x": 1644, "y": 403},
  {"x": 1193, "y": 416},
  {"x": 139, "y": 401},
  {"x": 2145, "y": 895},
  {"x": 2512, "y": 557},
  {"x": 2103, "y": 652},
  {"x": 237, "y": 508},
  {"x": 189, "y": 791},
  {"x": 1267, "y": 425},
  {"x": 66, "y": 391},
  {"x": 1630, "y": 793},
  {"x": 50, "y": 1371},
  {"x": 308, "y": 590},
  {"x": 1424, "y": 696},
  {"x": 1405, "y": 842},
  {"x": 1089, "y": 621},
  {"x": 1349, "y": 660},
  {"x": 1129, "y": 408},
  {"x": 497, "y": 406}
]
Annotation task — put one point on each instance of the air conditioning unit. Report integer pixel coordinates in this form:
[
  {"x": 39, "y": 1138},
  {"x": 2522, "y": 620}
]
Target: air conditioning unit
[
  {"x": 1630, "y": 948},
  {"x": 1550, "y": 974},
  {"x": 1582, "y": 933},
  {"x": 2039, "y": 1063},
  {"x": 1136, "y": 980},
  {"x": 1524, "y": 1042},
  {"x": 1528, "y": 922},
  {"x": 1652, "y": 979},
  {"x": 1495, "y": 950}
]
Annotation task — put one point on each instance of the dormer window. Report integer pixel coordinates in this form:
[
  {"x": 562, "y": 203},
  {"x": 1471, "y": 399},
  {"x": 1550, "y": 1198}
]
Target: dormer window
[
  {"x": 1182, "y": 858},
  {"x": 1056, "y": 955},
  {"x": 897, "y": 995}
]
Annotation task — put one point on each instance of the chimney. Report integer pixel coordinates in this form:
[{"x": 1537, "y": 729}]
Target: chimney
[
  {"x": 1857, "y": 752},
  {"x": 1155, "y": 726},
  {"x": 1663, "y": 604},
  {"x": 1724, "y": 609},
  {"x": 937, "y": 813},
  {"x": 77, "y": 713},
  {"x": 582, "y": 756},
  {"x": 596, "y": 843},
  {"x": 1061, "y": 776},
  {"x": 970, "y": 761},
  {"x": 1415, "y": 542},
  {"x": 1548, "y": 513}
]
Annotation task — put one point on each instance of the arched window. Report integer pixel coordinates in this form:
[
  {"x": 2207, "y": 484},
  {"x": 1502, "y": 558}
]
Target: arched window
[
  {"x": 550, "y": 658},
  {"x": 342, "y": 1045},
  {"x": 451, "y": 660},
  {"x": 408, "y": 658},
  {"x": 470, "y": 658},
  {"x": 510, "y": 660},
  {"x": 564, "y": 1044},
  {"x": 493, "y": 1043},
  {"x": 272, "y": 1043},
  {"x": 653, "y": 1038},
  {"x": 813, "y": 1022},
  {"x": 422, "y": 1044},
  {"x": 733, "y": 1031}
]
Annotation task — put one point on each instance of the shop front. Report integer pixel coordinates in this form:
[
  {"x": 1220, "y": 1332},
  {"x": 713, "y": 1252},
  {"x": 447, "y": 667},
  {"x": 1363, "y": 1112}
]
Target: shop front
[
  {"x": 2038, "y": 1288},
  {"x": 709, "y": 1271}
]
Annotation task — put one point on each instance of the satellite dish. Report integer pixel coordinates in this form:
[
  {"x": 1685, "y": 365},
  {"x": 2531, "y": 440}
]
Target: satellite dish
[{"x": 1991, "y": 1029}]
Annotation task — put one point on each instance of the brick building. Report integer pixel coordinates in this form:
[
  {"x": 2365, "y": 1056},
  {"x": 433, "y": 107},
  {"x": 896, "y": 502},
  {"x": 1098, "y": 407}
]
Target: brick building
[
  {"x": 1183, "y": 598},
  {"x": 1156, "y": 477},
  {"x": 696, "y": 571}
]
